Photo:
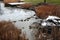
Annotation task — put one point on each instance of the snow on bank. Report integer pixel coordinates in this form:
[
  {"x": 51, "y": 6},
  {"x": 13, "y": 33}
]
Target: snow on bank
[
  {"x": 52, "y": 17},
  {"x": 51, "y": 21}
]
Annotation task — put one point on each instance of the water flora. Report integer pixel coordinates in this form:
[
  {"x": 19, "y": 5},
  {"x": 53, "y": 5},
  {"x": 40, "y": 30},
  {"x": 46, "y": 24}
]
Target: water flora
[{"x": 8, "y": 31}]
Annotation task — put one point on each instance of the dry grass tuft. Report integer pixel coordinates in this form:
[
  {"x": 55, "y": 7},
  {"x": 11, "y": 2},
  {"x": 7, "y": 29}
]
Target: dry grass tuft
[
  {"x": 43, "y": 11},
  {"x": 9, "y": 32}
]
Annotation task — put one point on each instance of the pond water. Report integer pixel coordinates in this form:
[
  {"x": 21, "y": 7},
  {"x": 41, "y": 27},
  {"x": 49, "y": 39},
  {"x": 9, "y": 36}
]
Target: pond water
[{"x": 19, "y": 17}]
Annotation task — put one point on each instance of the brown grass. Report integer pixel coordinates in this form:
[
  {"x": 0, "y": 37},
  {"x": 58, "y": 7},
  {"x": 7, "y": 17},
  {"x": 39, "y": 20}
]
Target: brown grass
[
  {"x": 25, "y": 6},
  {"x": 10, "y": 1},
  {"x": 9, "y": 32},
  {"x": 43, "y": 11}
]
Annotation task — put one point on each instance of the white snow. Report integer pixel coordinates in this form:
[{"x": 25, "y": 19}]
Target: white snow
[
  {"x": 52, "y": 17},
  {"x": 47, "y": 23},
  {"x": 44, "y": 24},
  {"x": 17, "y": 3}
]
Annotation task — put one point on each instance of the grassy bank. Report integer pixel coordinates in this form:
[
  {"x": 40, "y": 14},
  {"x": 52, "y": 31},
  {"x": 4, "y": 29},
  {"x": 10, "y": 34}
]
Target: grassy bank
[
  {"x": 54, "y": 1},
  {"x": 48, "y": 1},
  {"x": 34, "y": 1}
]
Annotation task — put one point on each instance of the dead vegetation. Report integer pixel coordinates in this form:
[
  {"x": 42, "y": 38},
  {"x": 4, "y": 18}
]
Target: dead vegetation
[
  {"x": 45, "y": 33},
  {"x": 9, "y": 32},
  {"x": 10, "y": 1},
  {"x": 25, "y": 6},
  {"x": 42, "y": 11}
]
